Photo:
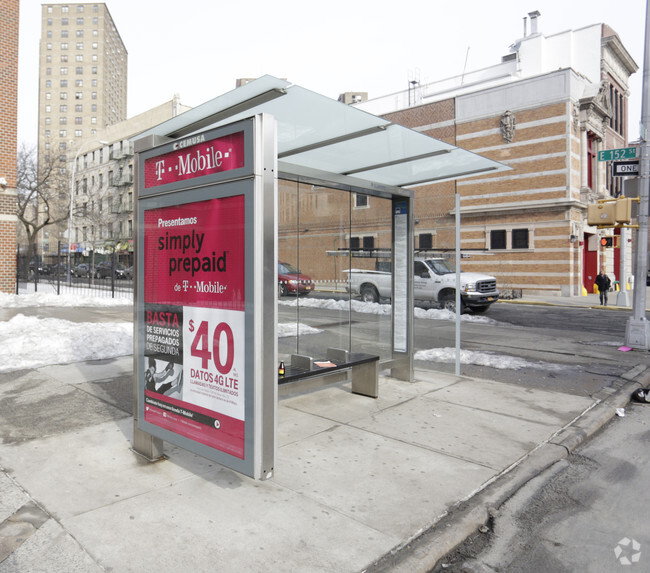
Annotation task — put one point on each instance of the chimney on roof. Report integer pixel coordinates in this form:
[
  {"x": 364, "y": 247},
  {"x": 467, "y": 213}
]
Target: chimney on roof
[{"x": 533, "y": 22}]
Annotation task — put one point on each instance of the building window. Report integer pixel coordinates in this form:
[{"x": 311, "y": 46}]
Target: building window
[
  {"x": 79, "y": 107},
  {"x": 80, "y": 21},
  {"x": 65, "y": 9},
  {"x": 77, "y": 133},
  {"x": 79, "y": 58},
  {"x": 63, "y": 108},
  {"x": 592, "y": 164},
  {"x": 79, "y": 83},
  {"x": 63, "y": 132},
  {"x": 64, "y": 95},
  {"x": 78, "y": 95},
  {"x": 48, "y": 46},
  {"x": 64, "y": 21},
  {"x": 80, "y": 33},
  {"x": 64, "y": 45},
  {"x": 360, "y": 201},
  {"x": 64, "y": 33},
  {"x": 80, "y": 45},
  {"x": 520, "y": 239},
  {"x": 64, "y": 71},
  {"x": 365, "y": 243},
  {"x": 63, "y": 120},
  {"x": 78, "y": 120},
  {"x": 425, "y": 241},
  {"x": 498, "y": 239},
  {"x": 64, "y": 59},
  {"x": 79, "y": 70}
]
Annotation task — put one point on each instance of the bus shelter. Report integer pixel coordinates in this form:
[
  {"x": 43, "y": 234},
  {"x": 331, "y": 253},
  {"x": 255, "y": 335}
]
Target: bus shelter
[{"x": 296, "y": 190}]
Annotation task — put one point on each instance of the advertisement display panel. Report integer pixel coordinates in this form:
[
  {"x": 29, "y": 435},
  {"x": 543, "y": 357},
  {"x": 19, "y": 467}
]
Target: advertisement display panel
[
  {"x": 201, "y": 371},
  {"x": 194, "y": 300}
]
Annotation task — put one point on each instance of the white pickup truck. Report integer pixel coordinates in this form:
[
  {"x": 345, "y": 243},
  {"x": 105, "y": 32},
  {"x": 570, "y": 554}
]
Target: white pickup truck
[{"x": 434, "y": 281}]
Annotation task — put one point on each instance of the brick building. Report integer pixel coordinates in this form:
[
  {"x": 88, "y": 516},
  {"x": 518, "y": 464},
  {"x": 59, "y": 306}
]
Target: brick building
[
  {"x": 545, "y": 111},
  {"x": 8, "y": 145}
]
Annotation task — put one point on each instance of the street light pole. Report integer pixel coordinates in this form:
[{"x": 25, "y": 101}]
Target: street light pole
[
  {"x": 637, "y": 332},
  {"x": 74, "y": 167}
]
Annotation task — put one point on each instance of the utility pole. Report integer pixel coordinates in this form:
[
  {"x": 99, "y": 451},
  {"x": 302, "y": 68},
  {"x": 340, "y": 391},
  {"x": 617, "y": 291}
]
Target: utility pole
[{"x": 637, "y": 331}]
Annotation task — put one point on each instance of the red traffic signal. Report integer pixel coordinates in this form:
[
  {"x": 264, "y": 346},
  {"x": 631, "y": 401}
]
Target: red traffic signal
[{"x": 607, "y": 242}]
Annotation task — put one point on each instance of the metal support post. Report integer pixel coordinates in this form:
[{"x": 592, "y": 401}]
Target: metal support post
[{"x": 637, "y": 332}]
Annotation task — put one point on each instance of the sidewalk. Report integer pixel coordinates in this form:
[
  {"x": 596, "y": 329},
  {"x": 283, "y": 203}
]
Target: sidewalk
[{"x": 359, "y": 484}]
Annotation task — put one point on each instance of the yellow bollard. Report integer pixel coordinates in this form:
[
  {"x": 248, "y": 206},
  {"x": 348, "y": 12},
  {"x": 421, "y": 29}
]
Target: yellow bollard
[
  {"x": 596, "y": 291},
  {"x": 584, "y": 291}
]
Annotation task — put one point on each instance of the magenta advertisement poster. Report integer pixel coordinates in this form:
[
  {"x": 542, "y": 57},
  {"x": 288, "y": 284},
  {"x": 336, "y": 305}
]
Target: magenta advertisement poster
[{"x": 194, "y": 299}]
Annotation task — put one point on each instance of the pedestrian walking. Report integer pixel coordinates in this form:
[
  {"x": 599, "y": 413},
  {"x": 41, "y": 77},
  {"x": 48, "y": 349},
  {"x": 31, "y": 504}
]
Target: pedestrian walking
[{"x": 603, "y": 283}]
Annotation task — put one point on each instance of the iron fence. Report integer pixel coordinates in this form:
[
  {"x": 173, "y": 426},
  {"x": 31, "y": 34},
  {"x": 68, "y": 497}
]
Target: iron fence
[{"x": 100, "y": 275}]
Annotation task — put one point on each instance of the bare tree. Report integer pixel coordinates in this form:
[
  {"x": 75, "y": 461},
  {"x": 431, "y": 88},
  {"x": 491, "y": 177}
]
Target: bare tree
[{"x": 43, "y": 196}]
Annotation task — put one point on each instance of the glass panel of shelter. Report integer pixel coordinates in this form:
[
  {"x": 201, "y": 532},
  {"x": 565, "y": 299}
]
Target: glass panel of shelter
[{"x": 322, "y": 234}]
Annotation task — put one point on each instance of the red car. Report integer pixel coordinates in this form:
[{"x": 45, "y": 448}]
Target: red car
[{"x": 292, "y": 281}]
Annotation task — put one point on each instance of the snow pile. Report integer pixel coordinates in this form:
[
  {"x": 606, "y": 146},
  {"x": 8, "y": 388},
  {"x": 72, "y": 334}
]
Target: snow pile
[
  {"x": 381, "y": 309},
  {"x": 292, "y": 329},
  {"x": 31, "y": 342},
  {"x": 499, "y": 361}
]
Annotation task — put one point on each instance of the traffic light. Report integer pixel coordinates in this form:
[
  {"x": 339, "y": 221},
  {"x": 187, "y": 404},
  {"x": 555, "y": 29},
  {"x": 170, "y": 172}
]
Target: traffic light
[
  {"x": 607, "y": 241},
  {"x": 623, "y": 210},
  {"x": 601, "y": 214}
]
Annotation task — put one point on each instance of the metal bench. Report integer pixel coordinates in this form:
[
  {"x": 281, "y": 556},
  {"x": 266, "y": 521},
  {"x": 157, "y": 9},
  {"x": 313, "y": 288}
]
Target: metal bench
[{"x": 364, "y": 369}]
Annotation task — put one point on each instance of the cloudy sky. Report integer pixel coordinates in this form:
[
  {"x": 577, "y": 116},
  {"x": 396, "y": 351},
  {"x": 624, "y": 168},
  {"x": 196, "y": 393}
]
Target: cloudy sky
[{"x": 198, "y": 48}]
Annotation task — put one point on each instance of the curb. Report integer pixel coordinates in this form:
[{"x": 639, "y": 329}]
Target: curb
[
  {"x": 422, "y": 553},
  {"x": 565, "y": 305}
]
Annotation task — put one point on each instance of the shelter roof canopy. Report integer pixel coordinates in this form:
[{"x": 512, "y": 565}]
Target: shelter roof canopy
[{"x": 319, "y": 135}]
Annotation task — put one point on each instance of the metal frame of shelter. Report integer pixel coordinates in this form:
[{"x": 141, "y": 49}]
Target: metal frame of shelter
[{"x": 324, "y": 142}]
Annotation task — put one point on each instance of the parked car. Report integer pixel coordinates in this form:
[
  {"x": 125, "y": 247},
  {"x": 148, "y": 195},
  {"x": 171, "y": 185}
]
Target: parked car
[
  {"x": 58, "y": 269},
  {"x": 42, "y": 269},
  {"x": 81, "y": 270},
  {"x": 292, "y": 281},
  {"x": 122, "y": 272}
]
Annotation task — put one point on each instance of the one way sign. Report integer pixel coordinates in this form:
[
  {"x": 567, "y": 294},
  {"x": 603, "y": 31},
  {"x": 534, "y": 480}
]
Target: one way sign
[{"x": 626, "y": 168}]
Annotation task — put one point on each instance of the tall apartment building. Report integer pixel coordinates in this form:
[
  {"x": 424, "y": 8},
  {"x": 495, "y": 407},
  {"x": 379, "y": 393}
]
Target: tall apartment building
[
  {"x": 82, "y": 81},
  {"x": 545, "y": 111},
  {"x": 8, "y": 137}
]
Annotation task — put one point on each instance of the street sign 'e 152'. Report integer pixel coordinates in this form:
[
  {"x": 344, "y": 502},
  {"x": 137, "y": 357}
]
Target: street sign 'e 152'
[{"x": 617, "y": 154}]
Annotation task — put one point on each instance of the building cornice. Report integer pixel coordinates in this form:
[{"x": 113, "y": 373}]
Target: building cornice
[{"x": 542, "y": 205}]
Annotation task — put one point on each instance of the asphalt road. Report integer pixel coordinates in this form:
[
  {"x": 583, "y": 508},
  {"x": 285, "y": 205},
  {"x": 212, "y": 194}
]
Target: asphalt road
[
  {"x": 569, "y": 349},
  {"x": 585, "y": 513}
]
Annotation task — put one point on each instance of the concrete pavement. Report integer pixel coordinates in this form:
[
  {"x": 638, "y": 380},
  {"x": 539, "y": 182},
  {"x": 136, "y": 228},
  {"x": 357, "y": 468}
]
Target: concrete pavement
[{"x": 390, "y": 484}]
